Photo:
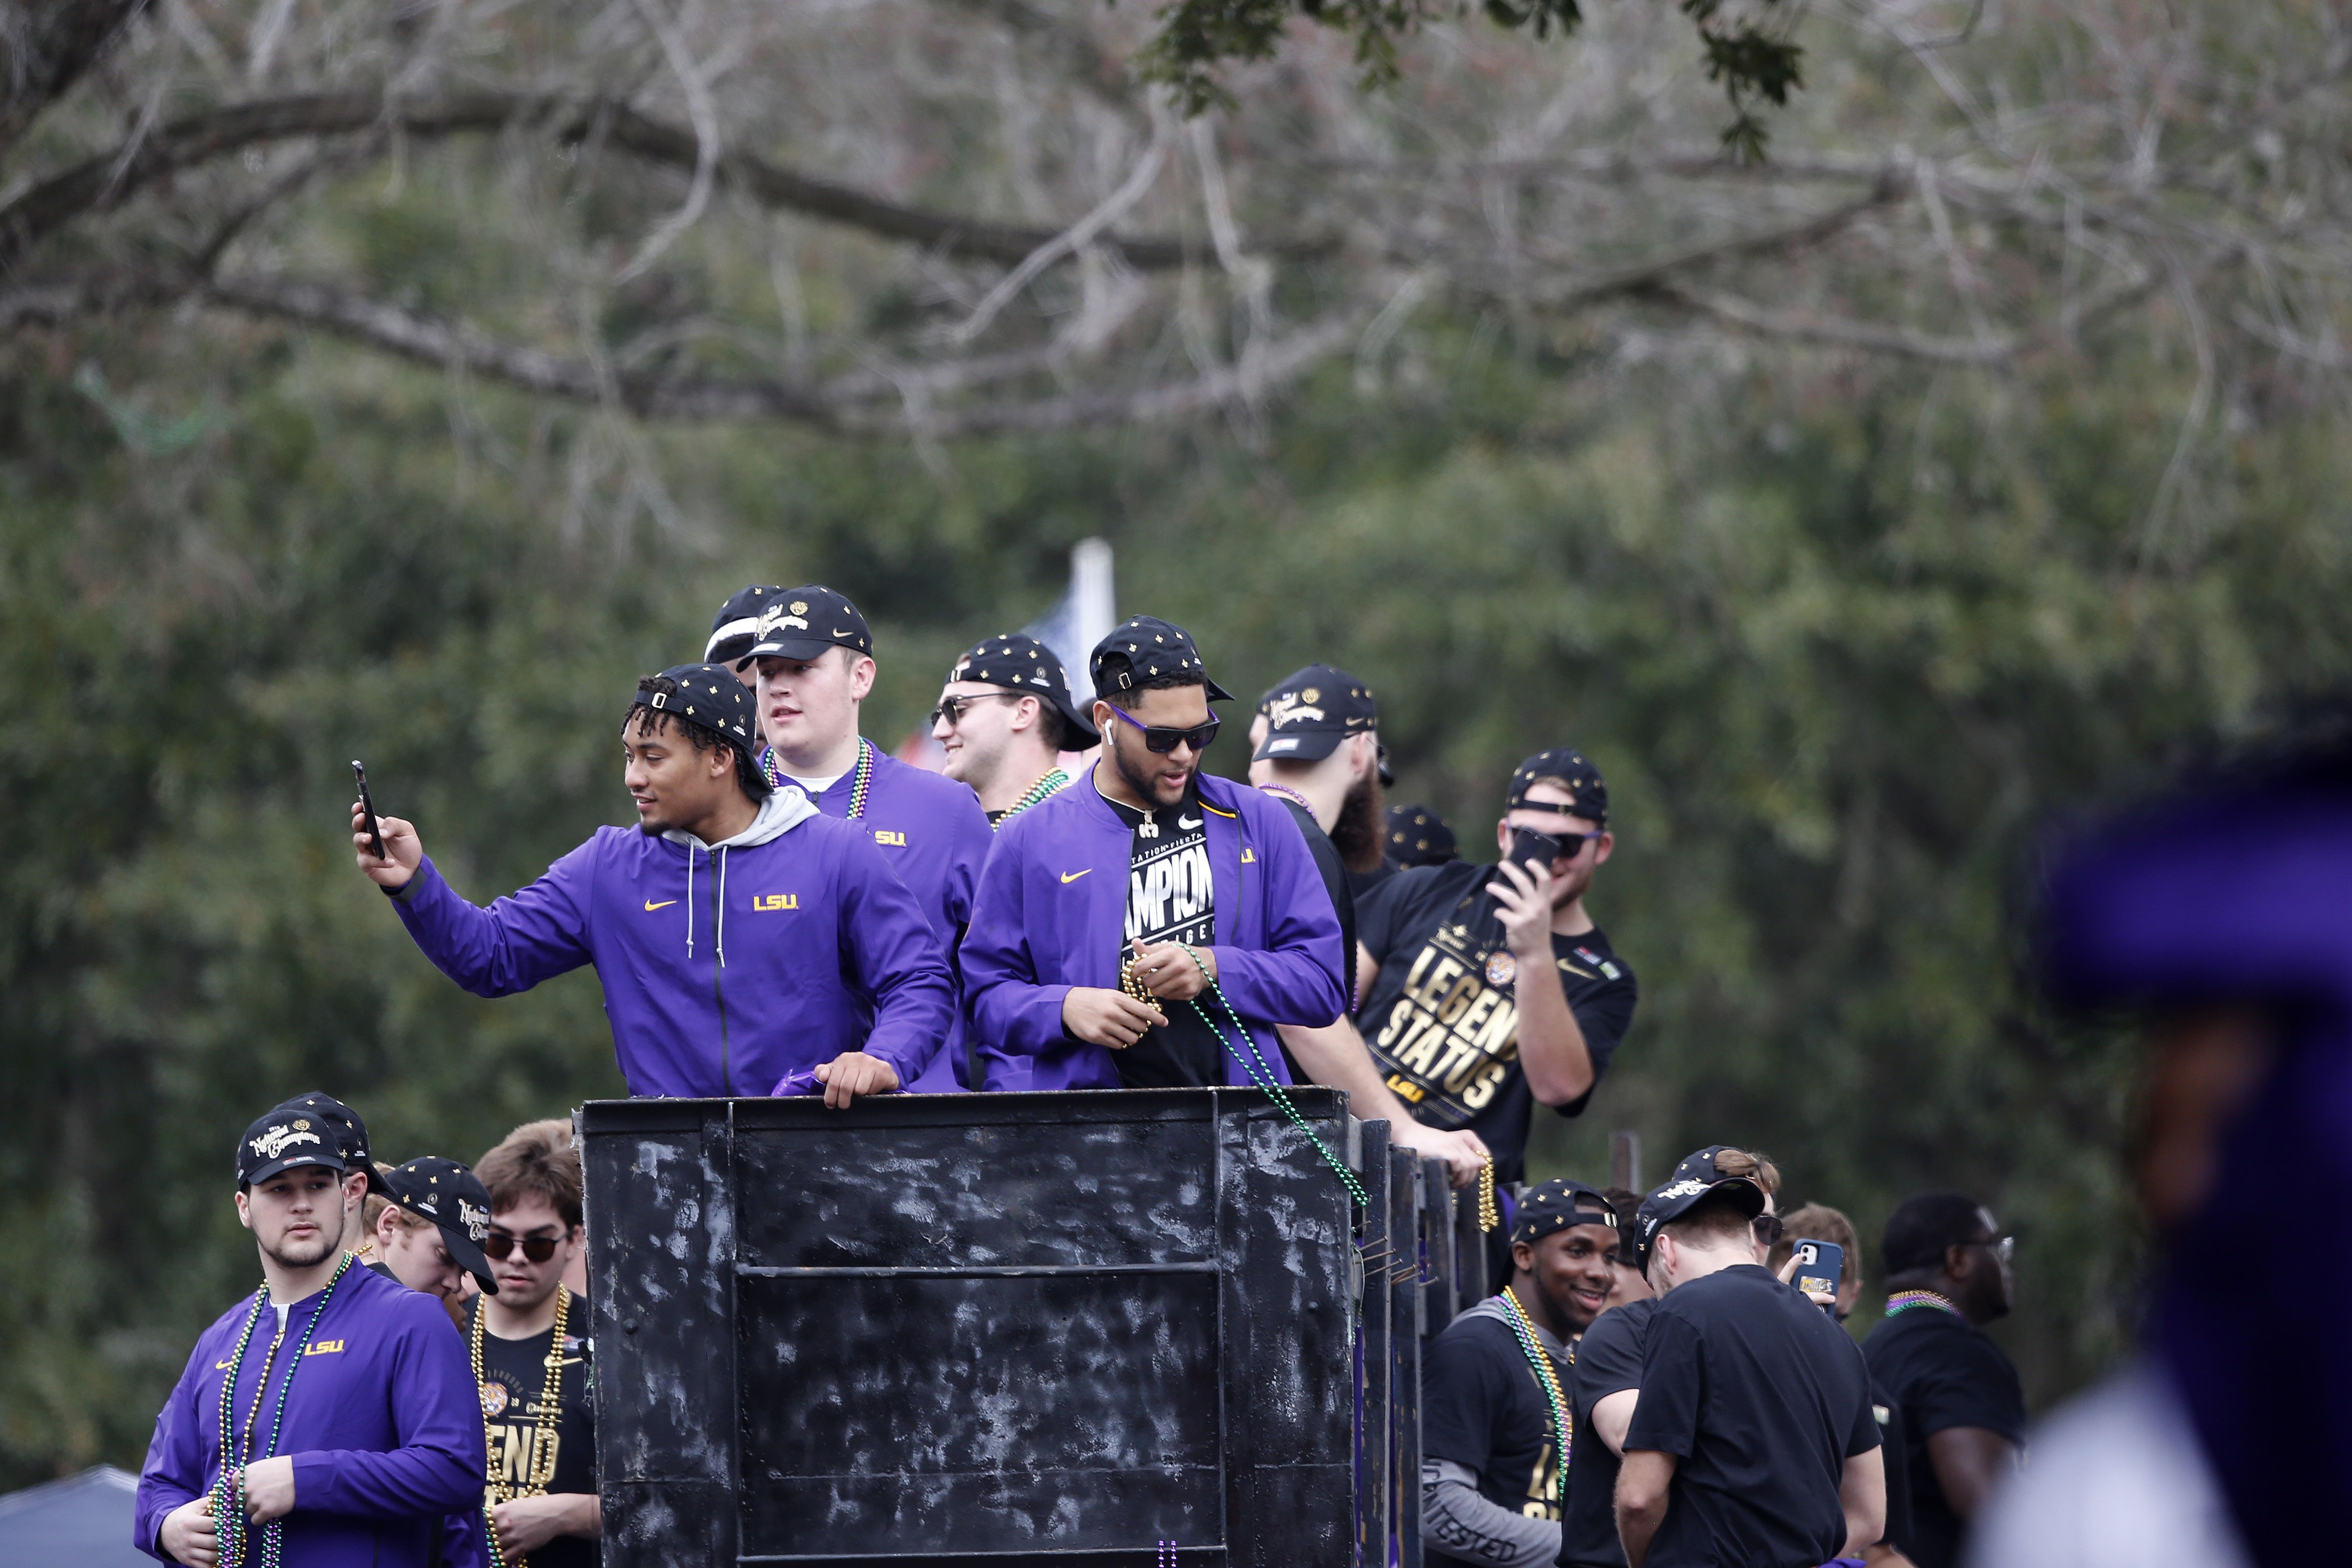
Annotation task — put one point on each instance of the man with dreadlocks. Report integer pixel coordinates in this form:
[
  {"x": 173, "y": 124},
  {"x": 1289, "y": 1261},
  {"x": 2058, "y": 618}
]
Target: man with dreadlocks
[
  {"x": 325, "y": 1420},
  {"x": 835, "y": 982}
]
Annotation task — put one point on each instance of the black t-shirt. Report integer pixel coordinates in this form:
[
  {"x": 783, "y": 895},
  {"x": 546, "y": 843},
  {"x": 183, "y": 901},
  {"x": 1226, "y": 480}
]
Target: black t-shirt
[
  {"x": 1763, "y": 1399},
  {"x": 1608, "y": 1361},
  {"x": 1171, "y": 896},
  {"x": 1360, "y": 883},
  {"x": 1482, "y": 1407},
  {"x": 1892, "y": 1432},
  {"x": 514, "y": 1376},
  {"x": 1946, "y": 1374},
  {"x": 1334, "y": 883},
  {"x": 1442, "y": 1020}
]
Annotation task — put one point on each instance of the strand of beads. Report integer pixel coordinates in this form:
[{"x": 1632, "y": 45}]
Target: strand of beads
[
  {"x": 1904, "y": 1300},
  {"x": 1134, "y": 986},
  {"x": 1054, "y": 780},
  {"x": 1540, "y": 1359},
  {"x": 228, "y": 1489},
  {"x": 273, "y": 1535},
  {"x": 540, "y": 1465},
  {"x": 1489, "y": 1216},
  {"x": 1261, "y": 1074},
  {"x": 858, "y": 786}
]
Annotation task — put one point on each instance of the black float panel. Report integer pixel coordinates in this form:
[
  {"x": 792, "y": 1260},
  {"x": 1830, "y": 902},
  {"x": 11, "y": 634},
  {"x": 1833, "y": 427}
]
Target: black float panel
[{"x": 998, "y": 1329}]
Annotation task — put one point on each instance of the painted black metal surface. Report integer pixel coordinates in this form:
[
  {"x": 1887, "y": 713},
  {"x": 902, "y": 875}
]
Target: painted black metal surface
[{"x": 1006, "y": 1328}]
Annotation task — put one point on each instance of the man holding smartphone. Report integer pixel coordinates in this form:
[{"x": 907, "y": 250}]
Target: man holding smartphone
[
  {"x": 836, "y": 981},
  {"x": 1488, "y": 988}
]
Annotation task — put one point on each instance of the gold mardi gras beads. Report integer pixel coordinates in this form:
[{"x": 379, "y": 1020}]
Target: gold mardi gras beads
[
  {"x": 1133, "y": 986},
  {"x": 1489, "y": 1216}
]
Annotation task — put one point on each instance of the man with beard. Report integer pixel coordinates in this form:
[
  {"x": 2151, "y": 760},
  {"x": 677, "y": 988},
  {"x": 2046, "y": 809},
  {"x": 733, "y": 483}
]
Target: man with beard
[
  {"x": 835, "y": 978},
  {"x": 1005, "y": 719},
  {"x": 325, "y": 1420},
  {"x": 1488, "y": 988},
  {"x": 1963, "y": 1406},
  {"x": 1318, "y": 752},
  {"x": 1152, "y": 926},
  {"x": 815, "y": 658},
  {"x": 1494, "y": 1419}
]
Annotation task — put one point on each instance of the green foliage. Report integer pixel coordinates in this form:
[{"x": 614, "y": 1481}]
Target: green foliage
[
  {"x": 1195, "y": 38},
  {"x": 1840, "y": 643}
]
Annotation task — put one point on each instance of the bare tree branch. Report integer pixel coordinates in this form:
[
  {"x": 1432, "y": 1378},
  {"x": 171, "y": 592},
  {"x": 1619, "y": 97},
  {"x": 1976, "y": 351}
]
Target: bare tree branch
[
  {"x": 96, "y": 183},
  {"x": 1831, "y": 331},
  {"x": 44, "y": 47}
]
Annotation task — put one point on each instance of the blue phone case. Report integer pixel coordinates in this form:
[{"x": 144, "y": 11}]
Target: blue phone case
[{"x": 1820, "y": 1265}]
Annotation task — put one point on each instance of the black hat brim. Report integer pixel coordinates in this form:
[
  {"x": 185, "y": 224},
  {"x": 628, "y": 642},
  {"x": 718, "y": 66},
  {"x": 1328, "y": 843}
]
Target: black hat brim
[
  {"x": 294, "y": 1162},
  {"x": 1298, "y": 745},
  {"x": 801, "y": 648},
  {"x": 468, "y": 1253},
  {"x": 1217, "y": 694},
  {"x": 1079, "y": 721}
]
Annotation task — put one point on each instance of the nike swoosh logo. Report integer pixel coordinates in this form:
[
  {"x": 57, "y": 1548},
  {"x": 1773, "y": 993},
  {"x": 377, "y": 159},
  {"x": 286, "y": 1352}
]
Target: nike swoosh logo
[
  {"x": 1188, "y": 824},
  {"x": 1069, "y": 876},
  {"x": 839, "y": 632},
  {"x": 664, "y": 904}
]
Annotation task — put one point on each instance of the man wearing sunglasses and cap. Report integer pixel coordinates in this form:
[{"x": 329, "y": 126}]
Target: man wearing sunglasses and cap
[
  {"x": 1151, "y": 925},
  {"x": 328, "y": 1420},
  {"x": 1005, "y": 719},
  {"x": 1752, "y": 1441},
  {"x": 815, "y": 654},
  {"x": 1489, "y": 988},
  {"x": 747, "y": 943},
  {"x": 1494, "y": 1389}
]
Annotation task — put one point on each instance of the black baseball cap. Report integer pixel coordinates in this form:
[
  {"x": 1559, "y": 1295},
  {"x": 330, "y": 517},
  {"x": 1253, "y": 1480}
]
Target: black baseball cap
[
  {"x": 1589, "y": 796},
  {"x": 287, "y": 1136},
  {"x": 737, "y": 625},
  {"x": 801, "y": 622},
  {"x": 1419, "y": 836},
  {"x": 1022, "y": 664},
  {"x": 1145, "y": 648},
  {"x": 454, "y": 1198},
  {"x": 1309, "y": 712},
  {"x": 707, "y": 697},
  {"x": 350, "y": 1134},
  {"x": 1557, "y": 1204},
  {"x": 1693, "y": 1181}
]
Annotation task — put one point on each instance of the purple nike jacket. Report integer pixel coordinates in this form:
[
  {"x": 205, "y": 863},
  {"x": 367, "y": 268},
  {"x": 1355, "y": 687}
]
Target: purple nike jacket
[
  {"x": 726, "y": 969},
  {"x": 1053, "y": 904},
  {"x": 383, "y": 1421},
  {"x": 934, "y": 835}
]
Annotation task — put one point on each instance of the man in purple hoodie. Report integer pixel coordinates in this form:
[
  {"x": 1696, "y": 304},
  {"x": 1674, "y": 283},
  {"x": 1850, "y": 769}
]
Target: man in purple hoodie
[
  {"x": 835, "y": 978},
  {"x": 328, "y": 1420},
  {"x": 1150, "y": 926},
  {"x": 815, "y": 659}
]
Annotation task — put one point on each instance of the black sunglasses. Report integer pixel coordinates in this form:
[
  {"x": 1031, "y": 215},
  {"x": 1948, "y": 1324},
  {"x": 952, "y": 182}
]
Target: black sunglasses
[
  {"x": 1157, "y": 738},
  {"x": 1769, "y": 1229},
  {"x": 952, "y": 708},
  {"x": 538, "y": 1249}
]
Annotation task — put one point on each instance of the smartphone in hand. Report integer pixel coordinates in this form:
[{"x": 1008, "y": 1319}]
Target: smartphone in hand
[
  {"x": 1819, "y": 1266},
  {"x": 1532, "y": 849},
  {"x": 376, "y": 834}
]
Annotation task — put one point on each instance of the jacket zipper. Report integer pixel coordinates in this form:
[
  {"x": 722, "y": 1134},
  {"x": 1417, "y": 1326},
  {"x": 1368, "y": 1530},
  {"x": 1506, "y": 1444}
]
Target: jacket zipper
[{"x": 718, "y": 995}]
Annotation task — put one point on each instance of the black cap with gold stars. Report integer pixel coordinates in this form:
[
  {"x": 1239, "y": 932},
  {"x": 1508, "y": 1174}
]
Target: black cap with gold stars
[
  {"x": 801, "y": 622},
  {"x": 1022, "y": 664},
  {"x": 1309, "y": 712},
  {"x": 349, "y": 1133},
  {"x": 707, "y": 697},
  {"x": 1557, "y": 1205},
  {"x": 453, "y": 1198},
  {"x": 1419, "y": 836},
  {"x": 737, "y": 625},
  {"x": 1145, "y": 648},
  {"x": 1588, "y": 795}
]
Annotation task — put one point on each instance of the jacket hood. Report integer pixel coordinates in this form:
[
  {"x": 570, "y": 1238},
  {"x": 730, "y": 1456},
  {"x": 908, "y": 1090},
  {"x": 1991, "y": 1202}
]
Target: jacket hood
[{"x": 783, "y": 809}]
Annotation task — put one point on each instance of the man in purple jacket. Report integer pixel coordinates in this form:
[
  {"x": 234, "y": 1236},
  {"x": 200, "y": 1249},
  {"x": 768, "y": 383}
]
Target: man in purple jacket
[
  {"x": 835, "y": 977},
  {"x": 1150, "y": 880},
  {"x": 332, "y": 1409},
  {"x": 815, "y": 658}
]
